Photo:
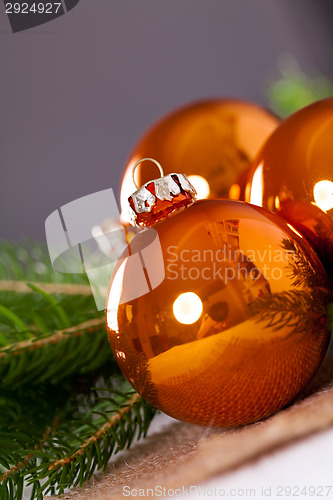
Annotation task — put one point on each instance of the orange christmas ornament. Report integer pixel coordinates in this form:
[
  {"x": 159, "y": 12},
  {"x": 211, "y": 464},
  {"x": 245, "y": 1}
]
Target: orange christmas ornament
[
  {"x": 212, "y": 142},
  {"x": 216, "y": 313},
  {"x": 293, "y": 176}
]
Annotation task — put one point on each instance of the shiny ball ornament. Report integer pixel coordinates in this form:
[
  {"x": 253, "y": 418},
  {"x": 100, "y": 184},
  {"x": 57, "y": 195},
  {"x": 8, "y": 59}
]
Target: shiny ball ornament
[
  {"x": 211, "y": 141},
  {"x": 216, "y": 313},
  {"x": 293, "y": 176}
]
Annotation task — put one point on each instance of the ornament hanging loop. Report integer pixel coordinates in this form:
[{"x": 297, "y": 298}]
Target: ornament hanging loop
[{"x": 159, "y": 166}]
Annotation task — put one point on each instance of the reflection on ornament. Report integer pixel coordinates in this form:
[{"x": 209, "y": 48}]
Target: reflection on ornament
[
  {"x": 295, "y": 230},
  {"x": 237, "y": 327},
  {"x": 323, "y": 195},
  {"x": 200, "y": 185},
  {"x": 187, "y": 308},
  {"x": 215, "y": 140},
  {"x": 293, "y": 176},
  {"x": 256, "y": 187},
  {"x": 115, "y": 295},
  {"x": 235, "y": 192}
]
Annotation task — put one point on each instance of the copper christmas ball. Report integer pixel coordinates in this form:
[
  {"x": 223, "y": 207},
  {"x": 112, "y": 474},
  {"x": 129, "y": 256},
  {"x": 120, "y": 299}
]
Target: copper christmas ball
[
  {"x": 217, "y": 315},
  {"x": 293, "y": 176},
  {"x": 211, "y": 141}
]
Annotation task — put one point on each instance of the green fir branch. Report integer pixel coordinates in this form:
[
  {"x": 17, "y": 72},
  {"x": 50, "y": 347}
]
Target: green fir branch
[
  {"x": 89, "y": 429},
  {"x": 78, "y": 349},
  {"x": 294, "y": 89},
  {"x": 30, "y": 262},
  {"x": 54, "y": 431},
  {"x": 54, "y": 311},
  {"x": 49, "y": 329},
  {"x": 49, "y": 336}
]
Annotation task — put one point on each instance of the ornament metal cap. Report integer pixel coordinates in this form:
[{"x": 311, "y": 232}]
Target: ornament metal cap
[{"x": 159, "y": 198}]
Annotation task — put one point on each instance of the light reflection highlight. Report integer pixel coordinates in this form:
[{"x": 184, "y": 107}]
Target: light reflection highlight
[
  {"x": 201, "y": 186},
  {"x": 295, "y": 230},
  {"x": 323, "y": 195},
  {"x": 256, "y": 196},
  {"x": 187, "y": 308},
  {"x": 234, "y": 192},
  {"x": 114, "y": 298}
]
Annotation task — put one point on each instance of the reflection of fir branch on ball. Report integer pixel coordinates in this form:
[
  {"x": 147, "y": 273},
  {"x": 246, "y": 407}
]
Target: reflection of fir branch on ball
[
  {"x": 301, "y": 270},
  {"x": 300, "y": 310},
  {"x": 294, "y": 89},
  {"x": 294, "y": 309},
  {"x": 54, "y": 431}
]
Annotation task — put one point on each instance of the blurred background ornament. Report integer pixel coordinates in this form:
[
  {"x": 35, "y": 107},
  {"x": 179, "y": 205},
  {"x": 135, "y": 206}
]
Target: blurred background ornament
[
  {"x": 213, "y": 142},
  {"x": 293, "y": 176},
  {"x": 236, "y": 325}
]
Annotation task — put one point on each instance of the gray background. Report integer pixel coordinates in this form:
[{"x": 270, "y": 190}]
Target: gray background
[{"x": 78, "y": 92}]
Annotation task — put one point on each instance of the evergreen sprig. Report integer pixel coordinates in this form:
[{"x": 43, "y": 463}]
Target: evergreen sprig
[
  {"x": 49, "y": 329},
  {"x": 29, "y": 262},
  {"x": 81, "y": 435},
  {"x": 44, "y": 336},
  {"x": 293, "y": 89},
  {"x": 55, "y": 431}
]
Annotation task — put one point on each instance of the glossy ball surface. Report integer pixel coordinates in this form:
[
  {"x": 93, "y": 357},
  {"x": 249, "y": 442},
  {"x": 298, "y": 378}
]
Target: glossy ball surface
[
  {"x": 293, "y": 176},
  {"x": 230, "y": 323},
  {"x": 211, "y": 141}
]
